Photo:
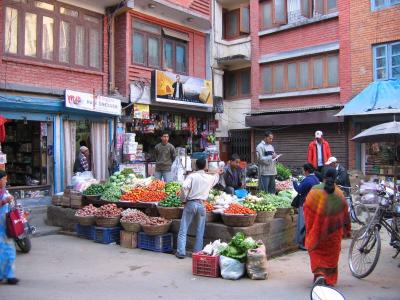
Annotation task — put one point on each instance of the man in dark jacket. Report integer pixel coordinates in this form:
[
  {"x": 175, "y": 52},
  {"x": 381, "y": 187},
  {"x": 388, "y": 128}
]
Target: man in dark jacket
[
  {"x": 178, "y": 88},
  {"x": 233, "y": 175},
  {"x": 342, "y": 177}
]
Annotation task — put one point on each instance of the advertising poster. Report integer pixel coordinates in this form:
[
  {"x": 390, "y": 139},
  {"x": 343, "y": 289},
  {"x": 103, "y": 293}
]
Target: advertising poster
[{"x": 184, "y": 90}]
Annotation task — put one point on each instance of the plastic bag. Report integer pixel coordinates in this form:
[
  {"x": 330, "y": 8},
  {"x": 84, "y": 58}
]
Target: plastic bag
[
  {"x": 177, "y": 170},
  {"x": 82, "y": 181},
  {"x": 257, "y": 263},
  {"x": 368, "y": 187},
  {"x": 231, "y": 268},
  {"x": 370, "y": 198}
]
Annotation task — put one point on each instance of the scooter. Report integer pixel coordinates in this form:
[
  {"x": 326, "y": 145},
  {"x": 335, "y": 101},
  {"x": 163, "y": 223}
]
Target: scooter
[{"x": 23, "y": 241}]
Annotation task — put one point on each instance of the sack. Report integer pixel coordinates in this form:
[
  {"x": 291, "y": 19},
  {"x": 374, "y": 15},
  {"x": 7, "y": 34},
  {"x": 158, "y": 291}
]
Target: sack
[
  {"x": 297, "y": 201},
  {"x": 231, "y": 268},
  {"x": 257, "y": 263},
  {"x": 14, "y": 223}
]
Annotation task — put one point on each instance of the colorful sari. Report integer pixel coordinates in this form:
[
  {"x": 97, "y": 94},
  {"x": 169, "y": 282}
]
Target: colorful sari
[
  {"x": 327, "y": 220},
  {"x": 7, "y": 247}
]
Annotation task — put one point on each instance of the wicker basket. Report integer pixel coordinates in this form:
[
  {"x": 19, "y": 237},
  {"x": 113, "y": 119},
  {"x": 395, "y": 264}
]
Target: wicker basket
[
  {"x": 107, "y": 222},
  {"x": 56, "y": 200},
  {"x": 156, "y": 229},
  {"x": 86, "y": 221},
  {"x": 66, "y": 201},
  {"x": 238, "y": 220},
  {"x": 131, "y": 227},
  {"x": 93, "y": 197},
  {"x": 264, "y": 216},
  {"x": 170, "y": 212},
  {"x": 211, "y": 217},
  {"x": 76, "y": 199},
  {"x": 282, "y": 212}
]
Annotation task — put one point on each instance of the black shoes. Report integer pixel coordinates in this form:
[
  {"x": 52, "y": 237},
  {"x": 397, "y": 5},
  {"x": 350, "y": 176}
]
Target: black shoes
[
  {"x": 12, "y": 281},
  {"x": 179, "y": 255},
  {"x": 320, "y": 280}
]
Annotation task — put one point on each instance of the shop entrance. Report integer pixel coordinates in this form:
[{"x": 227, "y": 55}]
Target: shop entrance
[{"x": 27, "y": 161}]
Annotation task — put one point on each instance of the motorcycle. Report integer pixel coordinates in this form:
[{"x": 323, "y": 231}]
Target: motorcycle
[{"x": 23, "y": 241}]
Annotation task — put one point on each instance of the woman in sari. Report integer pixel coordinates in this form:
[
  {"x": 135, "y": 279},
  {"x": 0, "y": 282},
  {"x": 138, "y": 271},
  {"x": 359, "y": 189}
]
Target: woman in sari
[
  {"x": 327, "y": 221},
  {"x": 7, "y": 248}
]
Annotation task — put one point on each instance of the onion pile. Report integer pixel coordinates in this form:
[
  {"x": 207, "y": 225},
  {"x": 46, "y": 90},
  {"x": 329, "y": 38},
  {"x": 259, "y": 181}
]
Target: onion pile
[
  {"x": 109, "y": 211},
  {"x": 156, "y": 221},
  {"x": 134, "y": 216},
  {"x": 87, "y": 211}
]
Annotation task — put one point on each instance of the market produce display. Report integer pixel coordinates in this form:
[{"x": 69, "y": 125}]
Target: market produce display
[
  {"x": 87, "y": 211},
  {"x": 156, "y": 185},
  {"x": 94, "y": 189},
  {"x": 109, "y": 211},
  {"x": 238, "y": 246},
  {"x": 283, "y": 185},
  {"x": 209, "y": 207},
  {"x": 282, "y": 200},
  {"x": 237, "y": 209},
  {"x": 252, "y": 182},
  {"x": 143, "y": 195},
  {"x": 283, "y": 173},
  {"x": 156, "y": 221},
  {"x": 213, "y": 193},
  {"x": 112, "y": 194},
  {"x": 171, "y": 201},
  {"x": 173, "y": 188},
  {"x": 259, "y": 206},
  {"x": 117, "y": 179},
  {"x": 134, "y": 216}
]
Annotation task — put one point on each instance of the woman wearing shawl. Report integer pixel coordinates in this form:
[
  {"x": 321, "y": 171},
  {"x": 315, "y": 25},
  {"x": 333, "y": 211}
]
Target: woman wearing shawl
[
  {"x": 327, "y": 221},
  {"x": 7, "y": 248}
]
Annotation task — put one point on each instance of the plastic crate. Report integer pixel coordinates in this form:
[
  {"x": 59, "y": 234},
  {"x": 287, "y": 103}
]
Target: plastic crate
[
  {"x": 205, "y": 265},
  {"x": 106, "y": 235},
  {"x": 158, "y": 243},
  {"x": 86, "y": 232},
  {"x": 128, "y": 239}
]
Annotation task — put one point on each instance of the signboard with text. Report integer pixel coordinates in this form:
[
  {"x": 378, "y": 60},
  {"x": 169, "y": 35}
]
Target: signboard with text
[
  {"x": 89, "y": 102},
  {"x": 183, "y": 90}
]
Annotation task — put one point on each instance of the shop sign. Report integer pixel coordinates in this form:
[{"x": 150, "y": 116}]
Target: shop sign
[
  {"x": 140, "y": 92},
  {"x": 183, "y": 90},
  {"x": 141, "y": 111},
  {"x": 90, "y": 102}
]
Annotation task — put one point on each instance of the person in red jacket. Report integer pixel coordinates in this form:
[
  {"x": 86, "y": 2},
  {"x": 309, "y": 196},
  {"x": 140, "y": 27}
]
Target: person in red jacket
[{"x": 318, "y": 151}]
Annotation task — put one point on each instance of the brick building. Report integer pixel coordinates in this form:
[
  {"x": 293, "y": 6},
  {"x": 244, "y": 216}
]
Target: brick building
[
  {"x": 375, "y": 55},
  {"x": 300, "y": 74}
]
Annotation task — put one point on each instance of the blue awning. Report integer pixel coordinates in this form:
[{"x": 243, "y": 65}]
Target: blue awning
[
  {"x": 9, "y": 102},
  {"x": 380, "y": 97}
]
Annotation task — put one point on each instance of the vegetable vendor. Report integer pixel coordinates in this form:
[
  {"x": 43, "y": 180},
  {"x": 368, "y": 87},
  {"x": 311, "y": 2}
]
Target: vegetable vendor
[
  {"x": 165, "y": 156},
  {"x": 266, "y": 158},
  {"x": 194, "y": 192},
  {"x": 82, "y": 162},
  {"x": 233, "y": 175},
  {"x": 7, "y": 248}
]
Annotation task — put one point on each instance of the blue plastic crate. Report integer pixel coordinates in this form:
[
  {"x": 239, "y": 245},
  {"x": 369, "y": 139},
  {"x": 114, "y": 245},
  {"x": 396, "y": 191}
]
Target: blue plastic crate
[
  {"x": 158, "y": 243},
  {"x": 107, "y": 235},
  {"x": 86, "y": 232}
]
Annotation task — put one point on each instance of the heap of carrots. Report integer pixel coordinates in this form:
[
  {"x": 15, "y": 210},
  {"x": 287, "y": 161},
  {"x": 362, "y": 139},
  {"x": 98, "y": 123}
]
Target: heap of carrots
[
  {"x": 237, "y": 209},
  {"x": 209, "y": 206},
  {"x": 143, "y": 195},
  {"x": 156, "y": 185}
]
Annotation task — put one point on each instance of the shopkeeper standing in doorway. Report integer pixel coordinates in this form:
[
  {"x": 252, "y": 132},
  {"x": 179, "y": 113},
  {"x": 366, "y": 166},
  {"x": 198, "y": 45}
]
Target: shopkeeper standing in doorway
[
  {"x": 165, "y": 156},
  {"x": 82, "y": 162}
]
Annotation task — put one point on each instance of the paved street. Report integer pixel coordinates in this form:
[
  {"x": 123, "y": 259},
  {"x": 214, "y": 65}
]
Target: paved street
[{"x": 65, "y": 267}]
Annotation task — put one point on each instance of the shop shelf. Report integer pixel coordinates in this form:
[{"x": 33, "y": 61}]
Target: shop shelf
[
  {"x": 158, "y": 243},
  {"x": 205, "y": 265},
  {"x": 86, "y": 232},
  {"x": 105, "y": 235}
]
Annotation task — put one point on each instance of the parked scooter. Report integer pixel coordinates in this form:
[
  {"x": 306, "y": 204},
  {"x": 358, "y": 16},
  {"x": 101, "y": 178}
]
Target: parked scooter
[{"x": 23, "y": 241}]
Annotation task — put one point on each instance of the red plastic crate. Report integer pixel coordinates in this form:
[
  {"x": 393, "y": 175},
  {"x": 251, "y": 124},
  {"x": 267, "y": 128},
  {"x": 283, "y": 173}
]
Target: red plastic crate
[{"x": 205, "y": 265}]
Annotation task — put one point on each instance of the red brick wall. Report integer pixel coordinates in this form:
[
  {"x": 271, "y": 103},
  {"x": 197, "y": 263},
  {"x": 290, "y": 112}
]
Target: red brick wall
[
  {"x": 197, "y": 6},
  {"x": 37, "y": 74},
  {"x": 126, "y": 71}
]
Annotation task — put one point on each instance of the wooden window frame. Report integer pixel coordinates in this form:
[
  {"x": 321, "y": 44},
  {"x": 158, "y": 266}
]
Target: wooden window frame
[
  {"x": 324, "y": 9},
  {"x": 30, "y": 7},
  {"x": 310, "y": 86},
  {"x": 226, "y": 22},
  {"x": 274, "y": 22},
  {"x": 162, "y": 40},
  {"x": 238, "y": 80}
]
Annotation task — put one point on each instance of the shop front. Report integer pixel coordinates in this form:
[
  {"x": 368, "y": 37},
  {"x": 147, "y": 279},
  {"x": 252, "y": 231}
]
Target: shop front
[{"x": 183, "y": 108}]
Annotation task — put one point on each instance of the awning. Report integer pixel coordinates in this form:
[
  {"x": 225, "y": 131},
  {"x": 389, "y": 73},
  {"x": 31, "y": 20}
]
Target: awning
[
  {"x": 380, "y": 97},
  {"x": 10, "y": 102},
  {"x": 294, "y": 118},
  {"x": 176, "y": 34}
]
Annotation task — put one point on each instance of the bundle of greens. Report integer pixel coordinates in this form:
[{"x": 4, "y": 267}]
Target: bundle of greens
[
  {"x": 283, "y": 172},
  {"x": 238, "y": 246}
]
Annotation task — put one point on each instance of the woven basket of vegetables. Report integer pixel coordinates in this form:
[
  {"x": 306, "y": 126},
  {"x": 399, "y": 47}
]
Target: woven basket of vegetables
[
  {"x": 170, "y": 208},
  {"x": 132, "y": 220},
  {"x": 131, "y": 227},
  {"x": 86, "y": 221},
  {"x": 156, "y": 226},
  {"x": 282, "y": 212},
  {"x": 211, "y": 217},
  {"x": 238, "y": 220},
  {"x": 265, "y": 216},
  {"x": 85, "y": 216},
  {"x": 107, "y": 221},
  {"x": 108, "y": 215},
  {"x": 93, "y": 197}
]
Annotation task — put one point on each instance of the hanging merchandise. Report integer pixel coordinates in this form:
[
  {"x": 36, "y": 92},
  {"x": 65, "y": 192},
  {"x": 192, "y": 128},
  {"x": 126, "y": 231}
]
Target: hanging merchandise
[{"x": 2, "y": 129}]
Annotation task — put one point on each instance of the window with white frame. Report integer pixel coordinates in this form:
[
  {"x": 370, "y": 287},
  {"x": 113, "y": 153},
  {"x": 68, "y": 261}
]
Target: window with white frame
[
  {"x": 386, "y": 61},
  {"x": 379, "y": 4}
]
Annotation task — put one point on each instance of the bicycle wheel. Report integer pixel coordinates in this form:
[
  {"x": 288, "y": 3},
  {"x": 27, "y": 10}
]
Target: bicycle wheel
[
  {"x": 362, "y": 213},
  {"x": 364, "y": 252}
]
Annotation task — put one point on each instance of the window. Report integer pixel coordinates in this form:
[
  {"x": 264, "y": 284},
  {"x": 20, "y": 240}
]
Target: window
[
  {"x": 305, "y": 74},
  {"x": 153, "y": 49},
  {"x": 387, "y": 61},
  {"x": 236, "y": 22},
  {"x": 275, "y": 13},
  {"x": 54, "y": 33},
  {"x": 237, "y": 83},
  {"x": 379, "y": 4}
]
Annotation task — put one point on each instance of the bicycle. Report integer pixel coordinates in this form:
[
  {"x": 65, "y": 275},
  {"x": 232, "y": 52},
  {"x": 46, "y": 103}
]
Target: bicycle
[
  {"x": 365, "y": 246},
  {"x": 359, "y": 213}
]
